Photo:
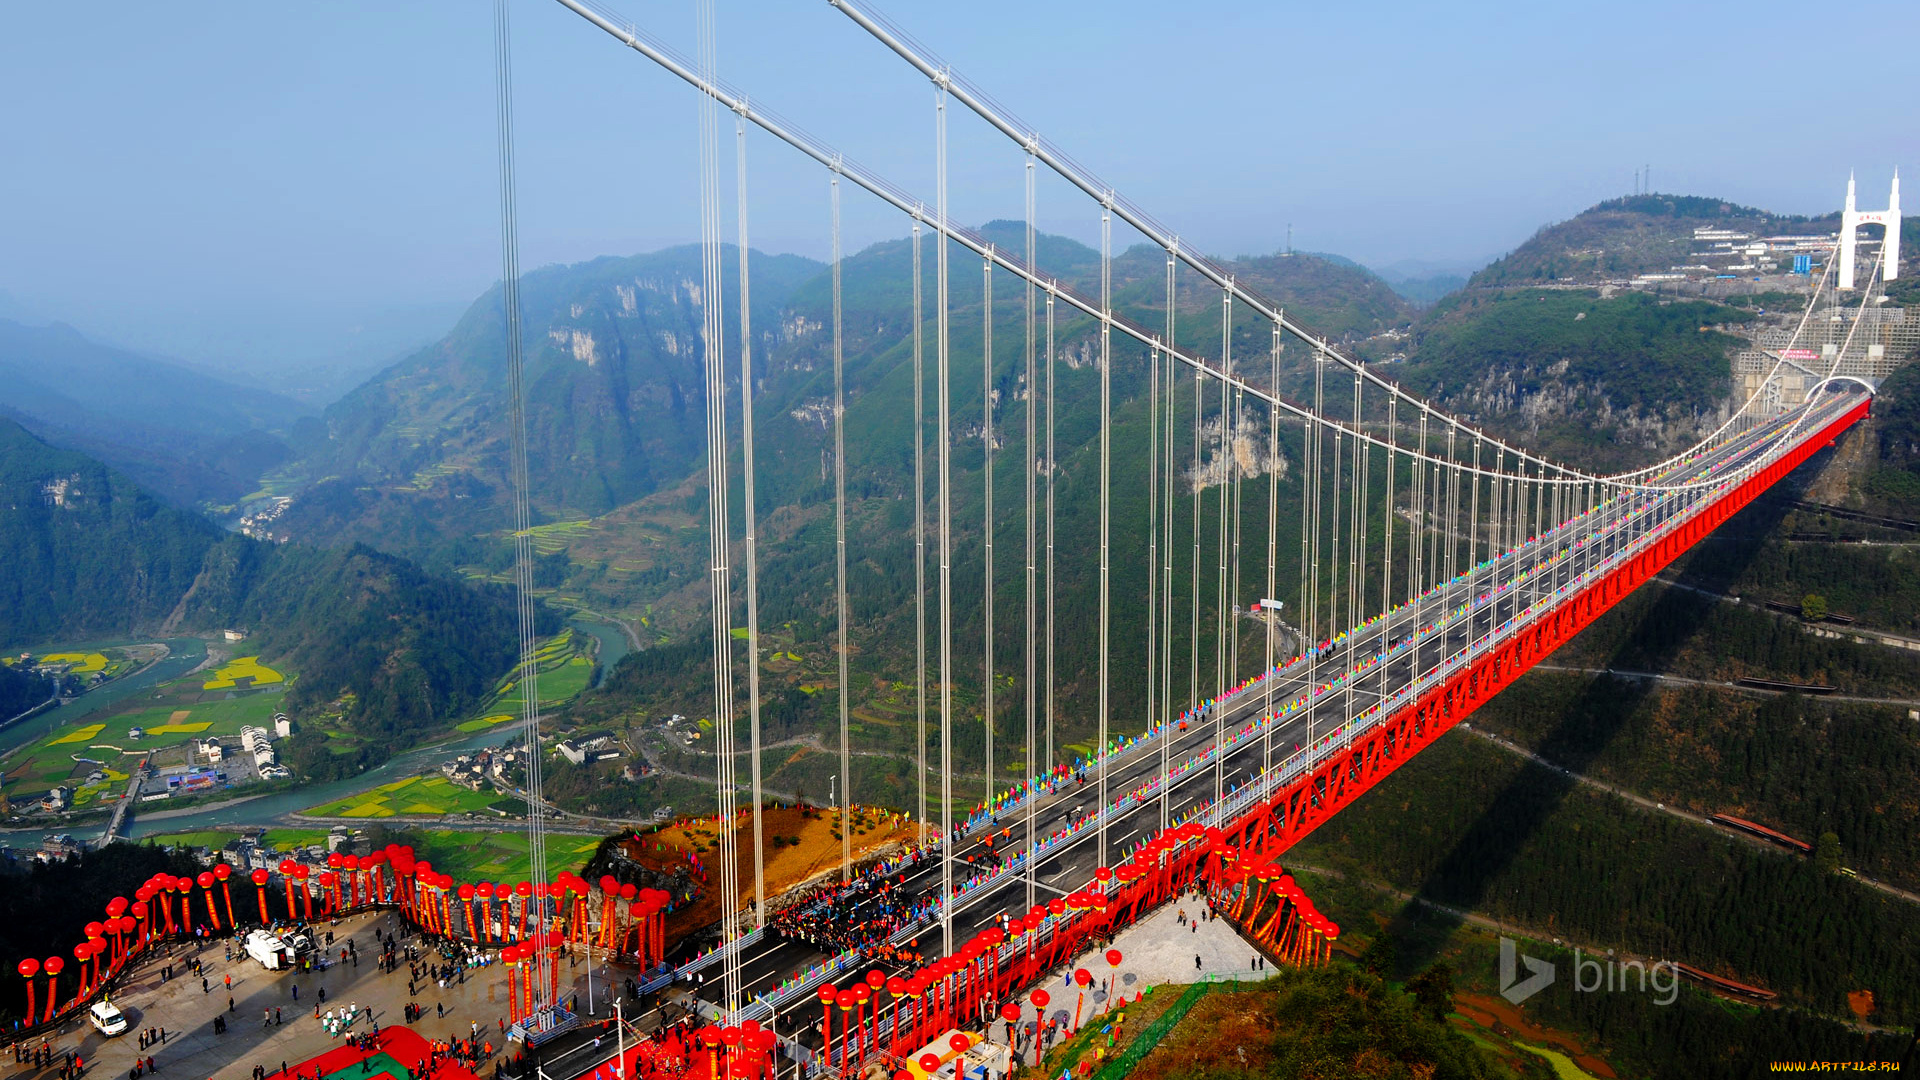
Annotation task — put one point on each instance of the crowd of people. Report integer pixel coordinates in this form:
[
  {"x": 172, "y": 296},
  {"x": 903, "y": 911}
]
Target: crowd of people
[{"x": 859, "y": 914}]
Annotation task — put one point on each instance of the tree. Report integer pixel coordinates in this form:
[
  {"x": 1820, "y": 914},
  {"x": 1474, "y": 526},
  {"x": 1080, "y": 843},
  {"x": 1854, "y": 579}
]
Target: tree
[
  {"x": 1813, "y": 607},
  {"x": 1433, "y": 989},
  {"x": 1826, "y": 853},
  {"x": 1379, "y": 956}
]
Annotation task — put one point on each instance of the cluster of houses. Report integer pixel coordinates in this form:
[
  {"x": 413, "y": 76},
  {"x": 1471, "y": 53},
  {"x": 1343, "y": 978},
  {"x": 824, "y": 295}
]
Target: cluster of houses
[
  {"x": 248, "y": 853},
  {"x": 483, "y": 769}
]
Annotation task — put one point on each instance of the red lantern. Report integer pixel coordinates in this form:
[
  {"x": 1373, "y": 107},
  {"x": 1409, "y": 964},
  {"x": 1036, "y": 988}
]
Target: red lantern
[
  {"x": 260, "y": 887},
  {"x": 1113, "y": 957},
  {"x": 1040, "y": 999},
  {"x": 52, "y": 966},
  {"x": 929, "y": 1062},
  {"x": 28, "y": 969},
  {"x": 1083, "y": 976},
  {"x": 959, "y": 1042},
  {"x": 1010, "y": 1012}
]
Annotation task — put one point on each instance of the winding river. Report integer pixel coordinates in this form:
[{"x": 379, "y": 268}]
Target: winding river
[{"x": 269, "y": 809}]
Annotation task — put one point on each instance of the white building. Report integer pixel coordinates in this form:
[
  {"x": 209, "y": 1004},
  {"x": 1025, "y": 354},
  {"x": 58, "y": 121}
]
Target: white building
[{"x": 258, "y": 743}]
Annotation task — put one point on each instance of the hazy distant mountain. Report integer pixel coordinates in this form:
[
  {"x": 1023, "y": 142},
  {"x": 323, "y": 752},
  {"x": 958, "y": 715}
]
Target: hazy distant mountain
[
  {"x": 311, "y": 351},
  {"x": 1424, "y": 281},
  {"x": 188, "y": 436},
  {"x": 57, "y": 374}
]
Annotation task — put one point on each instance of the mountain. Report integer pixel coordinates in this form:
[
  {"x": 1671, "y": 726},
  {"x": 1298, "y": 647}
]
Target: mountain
[
  {"x": 184, "y": 434},
  {"x": 1605, "y": 382},
  {"x": 1424, "y": 282},
  {"x": 417, "y": 455},
  {"x": 1634, "y": 234},
  {"x": 89, "y": 553},
  {"x": 382, "y": 647},
  {"x": 413, "y": 461}
]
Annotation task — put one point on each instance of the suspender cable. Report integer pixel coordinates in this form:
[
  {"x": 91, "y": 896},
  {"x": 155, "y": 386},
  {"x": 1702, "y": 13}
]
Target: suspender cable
[
  {"x": 1224, "y": 461},
  {"x": 840, "y": 541},
  {"x": 1153, "y": 535},
  {"x": 1106, "y": 523},
  {"x": 1232, "y": 604},
  {"x": 942, "y": 393},
  {"x": 529, "y": 675},
  {"x": 1052, "y": 470},
  {"x": 986, "y": 526},
  {"x": 1386, "y": 549},
  {"x": 752, "y": 546},
  {"x": 714, "y": 350},
  {"x": 1449, "y": 532},
  {"x": 1198, "y": 484},
  {"x": 1273, "y": 536},
  {"x": 1166, "y": 569},
  {"x": 1315, "y": 439},
  {"x": 919, "y": 544},
  {"x": 1356, "y": 566},
  {"x": 1033, "y": 388}
]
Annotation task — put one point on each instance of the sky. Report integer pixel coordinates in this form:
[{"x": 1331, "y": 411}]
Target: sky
[{"x": 257, "y": 185}]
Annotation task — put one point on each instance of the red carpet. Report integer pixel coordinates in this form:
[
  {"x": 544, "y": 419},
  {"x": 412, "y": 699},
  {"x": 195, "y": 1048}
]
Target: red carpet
[{"x": 401, "y": 1044}]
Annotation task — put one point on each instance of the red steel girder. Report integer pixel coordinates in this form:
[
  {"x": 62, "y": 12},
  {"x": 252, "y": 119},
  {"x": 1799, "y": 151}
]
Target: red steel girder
[{"x": 1296, "y": 810}]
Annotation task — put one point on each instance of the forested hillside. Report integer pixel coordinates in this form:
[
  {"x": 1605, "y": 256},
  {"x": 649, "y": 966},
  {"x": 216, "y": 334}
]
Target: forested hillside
[
  {"x": 381, "y": 646},
  {"x": 20, "y": 691},
  {"x": 89, "y": 553},
  {"x": 1606, "y": 383}
]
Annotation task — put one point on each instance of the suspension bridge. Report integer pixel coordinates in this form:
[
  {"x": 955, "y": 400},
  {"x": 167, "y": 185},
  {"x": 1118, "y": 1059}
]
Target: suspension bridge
[
  {"x": 1432, "y": 563},
  {"x": 1421, "y": 564}
]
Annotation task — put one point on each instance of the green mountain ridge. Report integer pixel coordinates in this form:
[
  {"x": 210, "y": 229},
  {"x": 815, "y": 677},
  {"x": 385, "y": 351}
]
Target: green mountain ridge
[{"x": 386, "y": 648}]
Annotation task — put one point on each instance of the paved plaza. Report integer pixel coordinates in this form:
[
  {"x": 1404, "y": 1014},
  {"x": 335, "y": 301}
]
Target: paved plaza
[{"x": 272, "y": 1018}]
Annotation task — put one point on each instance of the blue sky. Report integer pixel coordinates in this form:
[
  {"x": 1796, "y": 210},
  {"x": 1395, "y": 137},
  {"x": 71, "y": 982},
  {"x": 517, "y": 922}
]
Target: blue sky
[{"x": 250, "y": 179}]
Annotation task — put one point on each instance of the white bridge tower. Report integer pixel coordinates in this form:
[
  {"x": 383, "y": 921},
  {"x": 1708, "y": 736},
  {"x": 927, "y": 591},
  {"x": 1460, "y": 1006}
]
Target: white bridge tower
[{"x": 1850, "y": 221}]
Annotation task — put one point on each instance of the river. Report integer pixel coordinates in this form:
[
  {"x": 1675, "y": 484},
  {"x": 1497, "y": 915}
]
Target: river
[
  {"x": 267, "y": 809},
  {"x": 183, "y": 655},
  {"x": 613, "y": 643}
]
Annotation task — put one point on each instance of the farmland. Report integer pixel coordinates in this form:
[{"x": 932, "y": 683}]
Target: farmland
[
  {"x": 243, "y": 673},
  {"x": 415, "y": 795},
  {"x": 180, "y": 712}
]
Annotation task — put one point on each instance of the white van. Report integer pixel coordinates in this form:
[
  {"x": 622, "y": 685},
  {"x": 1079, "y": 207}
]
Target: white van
[{"x": 106, "y": 1019}]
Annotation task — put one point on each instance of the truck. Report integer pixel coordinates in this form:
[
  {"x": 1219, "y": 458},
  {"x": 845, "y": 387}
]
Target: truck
[{"x": 278, "y": 952}]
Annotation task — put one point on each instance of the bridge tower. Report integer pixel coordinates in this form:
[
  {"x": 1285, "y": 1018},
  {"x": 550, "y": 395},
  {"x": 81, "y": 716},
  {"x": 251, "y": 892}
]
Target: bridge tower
[{"x": 1851, "y": 218}]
